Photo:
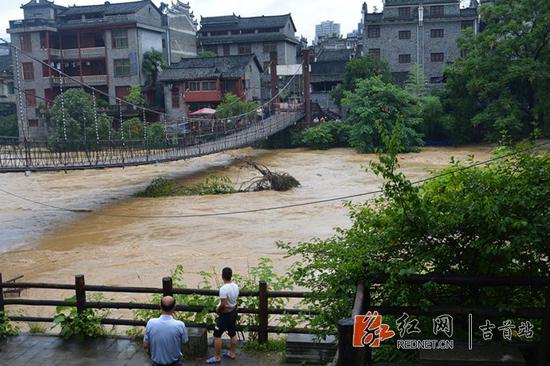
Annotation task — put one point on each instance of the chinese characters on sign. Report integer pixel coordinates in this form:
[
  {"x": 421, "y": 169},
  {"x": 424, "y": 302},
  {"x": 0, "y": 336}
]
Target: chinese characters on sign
[{"x": 370, "y": 331}]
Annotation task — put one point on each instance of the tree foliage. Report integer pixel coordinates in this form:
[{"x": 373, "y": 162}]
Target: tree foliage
[
  {"x": 416, "y": 82},
  {"x": 503, "y": 81},
  {"x": 485, "y": 221},
  {"x": 153, "y": 63},
  {"x": 232, "y": 106},
  {"x": 376, "y": 104},
  {"x": 361, "y": 68},
  {"x": 324, "y": 136},
  {"x": 135, "y": 96},
  {"x": 8, "y": 126}
]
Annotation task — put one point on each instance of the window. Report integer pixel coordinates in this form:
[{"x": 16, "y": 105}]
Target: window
[
  {"x": 373, "y": 31},
  {"x": 404, "y": 34},
  {"x": 33, "y": 123},
  {"x": 44, "y": 40},
  {"x": 175, "y": 98},
  {"x": 208, "y": 85},
  {"x": 437, "y": 57},
  {"x": 437, "y": 11},
  {"x": 405, "y": 12},
  {"x": 245, "y": 50},
  {"x": 28, "y": 71},
  {"x": 122, "y": 92},
  {"x": 374, "y": 52},
  {"x": 120, "y": 38},
  {"x": 437, "y": 33},
  {"x": 404, "y": 59},
  {"x": 270, "y": 47},
  {"x": 122, "y": 67},
  {"x": 465, "y": 24},
  {"x": 163, "y": 43},
  {"x": 194, "y": 86},
  {"x": 26, "y": 44},
  {"x": 218, "y": 33},
  {"x": 226, "y": 50},
  {"x": 30, "y": 98}
]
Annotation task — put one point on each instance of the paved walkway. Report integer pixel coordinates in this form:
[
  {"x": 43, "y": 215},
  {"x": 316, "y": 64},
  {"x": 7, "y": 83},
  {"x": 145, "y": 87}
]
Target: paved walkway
[{"x": 32, "y": 350}]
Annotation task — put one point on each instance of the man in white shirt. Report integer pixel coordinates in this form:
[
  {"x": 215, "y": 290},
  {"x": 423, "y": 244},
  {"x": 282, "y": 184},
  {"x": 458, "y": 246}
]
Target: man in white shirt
[
  {"x": 165, "y": 335},
  {"x": 227, "y": 320}
]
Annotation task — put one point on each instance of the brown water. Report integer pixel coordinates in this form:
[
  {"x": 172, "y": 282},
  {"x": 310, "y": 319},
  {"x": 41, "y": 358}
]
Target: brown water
[{"x": 52, "y": 246}]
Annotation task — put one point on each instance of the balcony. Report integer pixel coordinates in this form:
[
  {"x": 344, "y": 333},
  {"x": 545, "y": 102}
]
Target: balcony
[
  {"x": 203, "y": 96},
  {"x": 87, "y": 79}
]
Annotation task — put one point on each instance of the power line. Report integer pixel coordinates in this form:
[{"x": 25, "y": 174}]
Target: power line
[{"x": 273, "y": 208}]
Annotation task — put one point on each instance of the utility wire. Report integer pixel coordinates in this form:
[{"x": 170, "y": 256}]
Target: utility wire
[{"x": 273, "y": 208}]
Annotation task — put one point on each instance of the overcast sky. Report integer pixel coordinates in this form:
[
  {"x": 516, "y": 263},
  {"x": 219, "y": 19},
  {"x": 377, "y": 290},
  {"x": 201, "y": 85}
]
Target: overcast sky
[{"x": 306, "y": 13}]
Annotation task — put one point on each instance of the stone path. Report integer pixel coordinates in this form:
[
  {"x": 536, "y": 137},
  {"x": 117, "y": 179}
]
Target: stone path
[{"x": 32, "y": 350}]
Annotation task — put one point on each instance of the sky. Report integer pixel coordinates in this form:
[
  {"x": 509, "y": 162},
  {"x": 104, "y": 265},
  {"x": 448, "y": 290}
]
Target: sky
[{"x": 306, "y": 13}]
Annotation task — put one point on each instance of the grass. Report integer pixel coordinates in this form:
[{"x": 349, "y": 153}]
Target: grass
[
  {"x": 36, "y": 328},
  {"x": 211, "y": 185},
  {"x": 277, "y": 345}
]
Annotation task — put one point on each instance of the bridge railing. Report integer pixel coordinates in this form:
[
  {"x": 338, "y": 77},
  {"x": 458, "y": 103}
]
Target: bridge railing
[
  {"x": 202, "y": 138},
  {"x": 263, "y": 328}
]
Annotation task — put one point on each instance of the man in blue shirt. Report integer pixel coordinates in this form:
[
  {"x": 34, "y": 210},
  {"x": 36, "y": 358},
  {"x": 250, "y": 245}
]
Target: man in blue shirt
[{"x": 165, "y": 335}]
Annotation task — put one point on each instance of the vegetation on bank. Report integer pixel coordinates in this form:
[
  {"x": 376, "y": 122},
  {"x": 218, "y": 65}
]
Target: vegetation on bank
[
  {"x": 483, "y": 221},
  {"x": 8, "y": 126}
]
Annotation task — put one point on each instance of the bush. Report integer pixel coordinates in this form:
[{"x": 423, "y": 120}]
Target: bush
[
  {"x": 324, "y": 136},
  {"x": 213, "y": 184},
  {"x": 482, "y": 221},
  {"x": 87, "y": 324},
  {"x": 6, "y": 327},
  {"x": 8, "y": 126}
]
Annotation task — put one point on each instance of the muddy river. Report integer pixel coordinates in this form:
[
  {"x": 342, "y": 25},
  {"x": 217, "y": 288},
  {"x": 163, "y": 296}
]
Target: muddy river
[{"x": 46, "y": 244}]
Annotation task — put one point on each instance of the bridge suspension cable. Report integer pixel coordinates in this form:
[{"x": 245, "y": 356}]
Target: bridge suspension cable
[{"x": 274, "y": 208}]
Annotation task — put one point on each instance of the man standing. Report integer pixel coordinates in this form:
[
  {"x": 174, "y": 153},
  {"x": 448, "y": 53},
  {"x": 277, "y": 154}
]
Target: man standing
[
  {"x": 227, "y": 319},
  {"x": 165, "y": 335}
]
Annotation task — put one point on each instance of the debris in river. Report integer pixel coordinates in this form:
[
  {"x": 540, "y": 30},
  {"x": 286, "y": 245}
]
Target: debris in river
[{"x": 268, "y": 180}]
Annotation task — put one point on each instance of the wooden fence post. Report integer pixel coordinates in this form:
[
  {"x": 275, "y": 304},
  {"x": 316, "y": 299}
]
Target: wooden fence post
[
  {"x": 347, "y": 354},
  {"x": 366, "y": 307},
  {"x": 543, "y": 352},
  {"x": 263, "y": 316},
  {"x": 167, "y": 286},
  {"x": 80, "y": 293}
]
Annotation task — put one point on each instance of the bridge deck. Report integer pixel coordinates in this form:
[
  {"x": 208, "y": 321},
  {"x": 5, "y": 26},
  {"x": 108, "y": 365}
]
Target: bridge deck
[{"x": 38, "y": 157}]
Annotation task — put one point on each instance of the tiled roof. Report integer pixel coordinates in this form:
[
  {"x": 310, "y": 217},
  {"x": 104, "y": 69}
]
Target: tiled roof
[
  {"x": 41, "y": 3},
  {"x": 246, "y": 38},
  {"x": 231, "y": 22},
  {"x": 417, "y": 2},
  {"x": 107, "y": 8},
  {"x": 224, "y": 67},
  {"x": 334, "y": 55}
]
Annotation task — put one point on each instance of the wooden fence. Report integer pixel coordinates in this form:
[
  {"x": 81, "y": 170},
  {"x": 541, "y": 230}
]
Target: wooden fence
[
  {"x": 347, "y": 355},
  {"x": 263, "y": 328}
]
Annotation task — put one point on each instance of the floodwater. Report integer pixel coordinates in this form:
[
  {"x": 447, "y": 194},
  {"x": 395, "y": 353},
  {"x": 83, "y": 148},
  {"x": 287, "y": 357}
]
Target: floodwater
[{"x": 48, "y": 245}]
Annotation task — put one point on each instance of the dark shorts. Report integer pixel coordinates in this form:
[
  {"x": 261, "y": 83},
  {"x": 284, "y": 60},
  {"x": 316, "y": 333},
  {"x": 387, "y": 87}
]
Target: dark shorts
[{"x": 227, "y": 322}]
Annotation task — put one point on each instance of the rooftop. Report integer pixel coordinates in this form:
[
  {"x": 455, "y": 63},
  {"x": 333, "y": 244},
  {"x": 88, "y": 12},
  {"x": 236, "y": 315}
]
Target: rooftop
[
  {"x": 233, "y": 22},
  {"x": 417, "y": 2},
  {"x": 247, "y": 38},
  {"x": 223, "y": 67},
  {"x": 107, "y": 8}
]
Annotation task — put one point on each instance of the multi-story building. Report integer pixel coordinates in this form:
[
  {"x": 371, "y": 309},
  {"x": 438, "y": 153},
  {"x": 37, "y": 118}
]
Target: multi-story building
[
  {"x": 99, "y": 45},
  {"x": 407, "y": 32},
  {"x": 234, "y": 35},
  {"x": 196, "y": 83},
  {"x": 327, "y": 29},
  {"x": 182, "y": 31}
]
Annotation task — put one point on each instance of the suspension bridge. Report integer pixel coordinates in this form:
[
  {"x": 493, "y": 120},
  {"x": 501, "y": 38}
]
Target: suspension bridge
[{"x": 200, "y": 136}]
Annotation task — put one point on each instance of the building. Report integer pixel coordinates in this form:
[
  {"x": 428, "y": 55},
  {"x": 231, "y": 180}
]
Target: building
[
  {"x": 182, "y": 31},
  {"x": 327, "y": 72},
  {"x": 412, "y": 31},
  {"x": 196, "y": 83},
  {"x": 234, "y": 35},
  {"x": 7, "y": 90},
  {"x": 327, "y": 29},
  {"x": 99, "y": 45}
]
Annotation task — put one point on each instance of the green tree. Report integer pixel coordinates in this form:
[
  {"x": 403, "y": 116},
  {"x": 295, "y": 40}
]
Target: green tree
[
  {"x": 442, "y": 227},
  {"x": 361, "y": 68},
  {"x": 8, "y": 126},
  {"x": 376, "y": 104},
  {"x": 153, "y": 63},
  {"x": 73, "y": 116},
  {"x": 416, "y": 81},
  {"x": 434, "y": 125},
  {"x": 503, "y": 81},
  {"x": 232, "y": 105},
  {"x": 324, "y": 136},
  {"x": 135, "y": 96},
  {"x": 133, "y": 129}
]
